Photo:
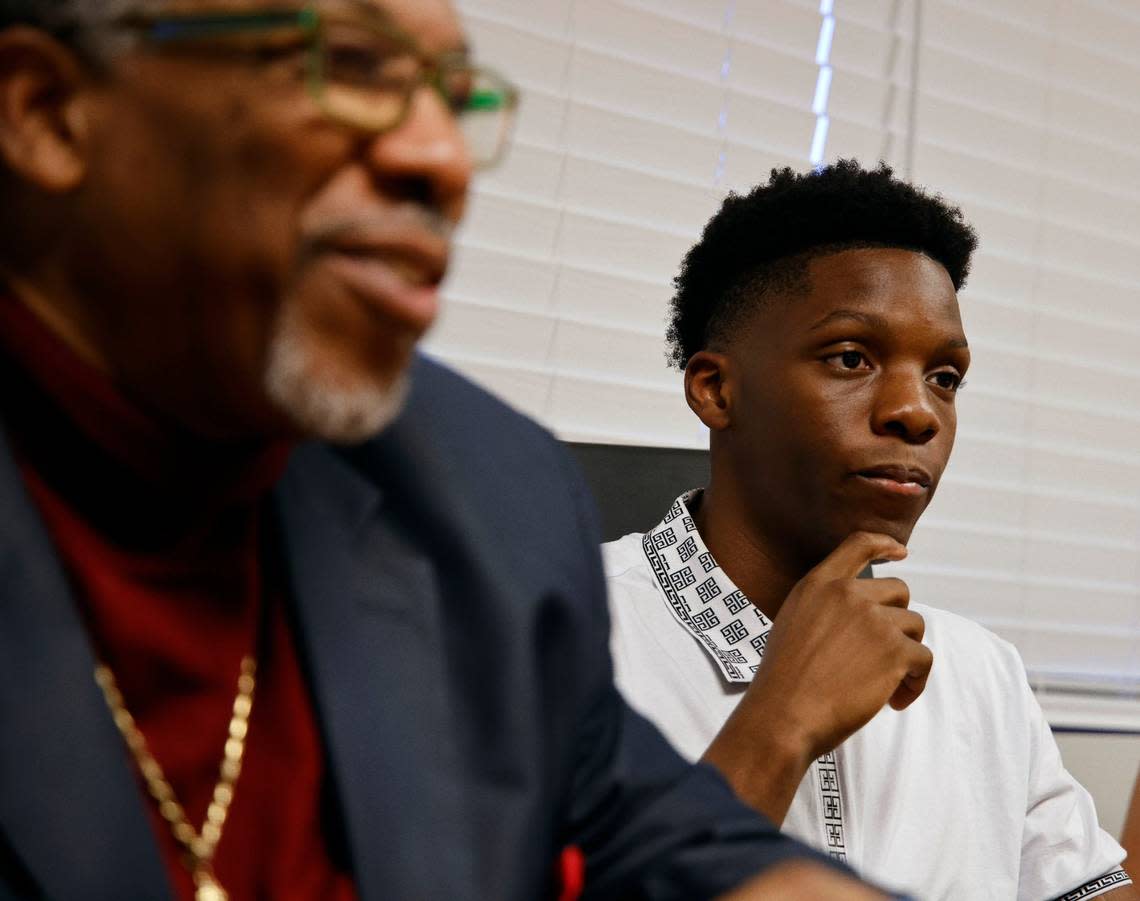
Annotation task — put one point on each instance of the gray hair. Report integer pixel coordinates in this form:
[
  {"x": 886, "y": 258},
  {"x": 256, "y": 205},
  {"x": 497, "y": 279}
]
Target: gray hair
[{"x": 78, "y": 22}]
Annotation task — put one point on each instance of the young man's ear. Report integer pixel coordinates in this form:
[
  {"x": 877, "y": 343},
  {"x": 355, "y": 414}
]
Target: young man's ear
[
  {"x": 709, "y": 388},
  {"x": 43, "y": 126}
]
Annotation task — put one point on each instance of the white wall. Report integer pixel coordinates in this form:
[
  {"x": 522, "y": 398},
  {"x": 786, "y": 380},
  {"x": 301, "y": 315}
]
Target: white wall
[
  {"x": 1106, "y": 765},
  {"x": 639, "y": 115}
]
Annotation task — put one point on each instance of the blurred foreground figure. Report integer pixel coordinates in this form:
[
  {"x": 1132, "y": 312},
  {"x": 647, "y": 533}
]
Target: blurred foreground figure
[
  {"x": 233, "y": 658},
  {"x": 817, "y": 325}
]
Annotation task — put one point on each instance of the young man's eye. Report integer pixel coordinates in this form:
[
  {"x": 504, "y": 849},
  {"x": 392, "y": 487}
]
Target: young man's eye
[
  {"x": 849, "y": 359},
  {"x": 948, "y": 381}
]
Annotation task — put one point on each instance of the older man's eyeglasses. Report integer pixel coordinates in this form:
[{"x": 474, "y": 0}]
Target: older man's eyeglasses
[{"x": 361, "y": 70}]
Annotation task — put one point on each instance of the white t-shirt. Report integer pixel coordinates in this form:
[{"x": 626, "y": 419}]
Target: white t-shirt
[{"x": 961, "y": 796}]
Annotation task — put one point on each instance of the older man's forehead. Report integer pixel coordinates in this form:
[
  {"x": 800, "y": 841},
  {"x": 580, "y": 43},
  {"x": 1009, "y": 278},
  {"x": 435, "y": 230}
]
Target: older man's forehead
[{"x": 433, "y": 23}]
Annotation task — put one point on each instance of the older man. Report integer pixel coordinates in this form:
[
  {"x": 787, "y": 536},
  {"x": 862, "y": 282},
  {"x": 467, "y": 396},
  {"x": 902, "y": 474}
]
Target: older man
[{"x": 236, "y": 660}]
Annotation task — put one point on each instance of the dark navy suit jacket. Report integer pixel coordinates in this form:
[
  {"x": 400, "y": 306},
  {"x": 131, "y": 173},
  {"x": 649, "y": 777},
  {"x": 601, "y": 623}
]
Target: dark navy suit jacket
[{"x": 451, "y": 612}]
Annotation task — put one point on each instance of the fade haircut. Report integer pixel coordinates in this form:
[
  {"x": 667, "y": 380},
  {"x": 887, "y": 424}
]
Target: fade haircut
[{"x": 760, "y": 243}]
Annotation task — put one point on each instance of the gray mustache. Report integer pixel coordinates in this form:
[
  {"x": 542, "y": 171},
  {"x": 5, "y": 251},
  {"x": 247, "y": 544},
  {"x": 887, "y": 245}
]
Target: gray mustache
[{"x": 389, "y": 221}]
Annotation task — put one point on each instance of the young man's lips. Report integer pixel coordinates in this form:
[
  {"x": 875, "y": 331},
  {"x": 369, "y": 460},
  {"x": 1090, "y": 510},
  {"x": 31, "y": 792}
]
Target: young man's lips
[
  {"x": 387, "y": 290},
  {"x": 901, "y": 481}
]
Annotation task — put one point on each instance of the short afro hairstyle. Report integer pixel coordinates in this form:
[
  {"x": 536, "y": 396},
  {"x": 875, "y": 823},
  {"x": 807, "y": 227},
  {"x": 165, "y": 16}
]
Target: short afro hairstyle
[{"x": 763, "y": 241}]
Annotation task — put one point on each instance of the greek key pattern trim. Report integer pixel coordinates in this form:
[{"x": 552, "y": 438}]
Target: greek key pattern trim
[
  {"x": 734, "y": 633},
  {"x": 831, "y": 803},
  {"x": 1099, "y": 886},
  {"x": 702, "y": 598}
]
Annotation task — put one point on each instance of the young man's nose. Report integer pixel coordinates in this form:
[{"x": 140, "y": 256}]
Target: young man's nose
[{"x": 904, "y": 408}]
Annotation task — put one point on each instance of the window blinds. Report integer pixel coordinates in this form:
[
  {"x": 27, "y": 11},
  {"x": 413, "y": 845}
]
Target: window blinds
[
  {"x": 1025, "y": 114},
  {"x": 639, "y": 115}
]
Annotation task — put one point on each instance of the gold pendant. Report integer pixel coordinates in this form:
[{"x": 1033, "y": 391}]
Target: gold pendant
[{"x": 208, "y": 889}]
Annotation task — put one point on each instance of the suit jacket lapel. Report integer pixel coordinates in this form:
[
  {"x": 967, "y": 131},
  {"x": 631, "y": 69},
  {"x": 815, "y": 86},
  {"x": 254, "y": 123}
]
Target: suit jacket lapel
[
  {"x": 69, "y": 804},
  {"x": 369, "y": 614}
]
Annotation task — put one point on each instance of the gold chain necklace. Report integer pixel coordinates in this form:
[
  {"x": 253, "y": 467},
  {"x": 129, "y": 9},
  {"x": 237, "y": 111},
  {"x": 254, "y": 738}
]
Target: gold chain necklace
[{"x": 199, "y": 846}]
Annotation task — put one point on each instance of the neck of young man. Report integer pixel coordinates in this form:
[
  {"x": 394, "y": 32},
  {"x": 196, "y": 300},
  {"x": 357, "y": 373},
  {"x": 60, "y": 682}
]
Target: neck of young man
[{"x": 731, "y": 532}]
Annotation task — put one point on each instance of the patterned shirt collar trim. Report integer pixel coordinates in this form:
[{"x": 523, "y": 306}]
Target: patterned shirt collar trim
[{"x": 701, "y": 597}]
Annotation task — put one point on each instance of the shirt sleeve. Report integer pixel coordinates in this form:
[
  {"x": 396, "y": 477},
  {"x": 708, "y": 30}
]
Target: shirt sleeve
[
  {"x": 1064, "y": 852},
  {"x": 654, "y": 827}
]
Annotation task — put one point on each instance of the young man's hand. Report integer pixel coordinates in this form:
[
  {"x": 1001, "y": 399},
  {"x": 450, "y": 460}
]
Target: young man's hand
[{"x": 840, "y": 649}]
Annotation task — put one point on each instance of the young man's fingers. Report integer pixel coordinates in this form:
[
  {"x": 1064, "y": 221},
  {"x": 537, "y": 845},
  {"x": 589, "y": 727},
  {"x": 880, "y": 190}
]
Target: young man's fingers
[
  {"x": 911, "y": 624},
  {"x": 856, "y": 551},
  {"x": 905, "y": 695},
  {"x": 914, "y": 682},
  {"x": 888, "y": 592}
]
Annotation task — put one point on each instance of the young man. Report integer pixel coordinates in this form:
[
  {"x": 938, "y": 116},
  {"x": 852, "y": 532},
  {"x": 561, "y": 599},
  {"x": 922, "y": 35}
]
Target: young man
[
  {"x": 262, "y": 633},
  {"x": 818, "y": 328}
]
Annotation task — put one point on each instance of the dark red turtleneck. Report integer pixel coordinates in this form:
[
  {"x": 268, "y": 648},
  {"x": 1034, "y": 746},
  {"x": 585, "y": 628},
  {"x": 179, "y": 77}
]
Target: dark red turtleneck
[{"x": 168, "y": 543}]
